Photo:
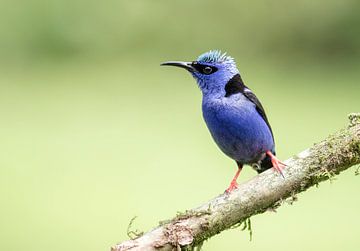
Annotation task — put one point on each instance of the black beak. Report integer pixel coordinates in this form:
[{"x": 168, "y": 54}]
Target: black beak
[{"x": 186, "y": 65}]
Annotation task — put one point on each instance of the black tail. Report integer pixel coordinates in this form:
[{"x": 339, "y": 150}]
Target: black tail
[{"x": 265, "y": 164}]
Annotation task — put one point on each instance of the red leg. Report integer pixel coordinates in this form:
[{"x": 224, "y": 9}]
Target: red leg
[
  {"x": 277, "y": 164},
  {"x": 234, "y": 184}
]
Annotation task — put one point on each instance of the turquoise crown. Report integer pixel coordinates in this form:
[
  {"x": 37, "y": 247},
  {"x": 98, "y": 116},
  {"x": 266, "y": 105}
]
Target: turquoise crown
[{"x": 215, "y": 56}]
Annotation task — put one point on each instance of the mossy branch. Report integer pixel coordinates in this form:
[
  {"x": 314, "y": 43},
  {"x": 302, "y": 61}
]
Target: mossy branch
[{"x": 265, "y": 191}]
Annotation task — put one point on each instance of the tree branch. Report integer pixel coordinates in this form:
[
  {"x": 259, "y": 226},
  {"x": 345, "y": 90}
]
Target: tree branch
[{"x": 265, "y": 191}]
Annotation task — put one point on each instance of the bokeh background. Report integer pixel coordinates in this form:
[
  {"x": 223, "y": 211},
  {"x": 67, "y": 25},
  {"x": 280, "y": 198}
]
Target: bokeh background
[{"x": 94, "y": 132}]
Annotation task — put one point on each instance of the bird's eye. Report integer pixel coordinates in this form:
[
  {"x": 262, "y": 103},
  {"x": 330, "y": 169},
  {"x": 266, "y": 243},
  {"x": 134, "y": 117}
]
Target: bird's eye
[
  {"x": 207, "y": 70},
  {"x": 203, "y": 69}
]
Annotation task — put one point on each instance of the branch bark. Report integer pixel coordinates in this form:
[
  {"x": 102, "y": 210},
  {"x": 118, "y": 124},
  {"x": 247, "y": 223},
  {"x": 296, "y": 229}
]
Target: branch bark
[{"x": 265, "y": 191}]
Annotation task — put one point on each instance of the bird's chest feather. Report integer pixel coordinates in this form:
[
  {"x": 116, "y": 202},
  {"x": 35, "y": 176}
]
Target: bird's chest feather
[{"x": 237, "y": 127}]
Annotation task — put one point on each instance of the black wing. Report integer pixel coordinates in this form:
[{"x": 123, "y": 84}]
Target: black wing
[
  {"x": 252, "y": 97},
  {"x": 236, "y": 85}
]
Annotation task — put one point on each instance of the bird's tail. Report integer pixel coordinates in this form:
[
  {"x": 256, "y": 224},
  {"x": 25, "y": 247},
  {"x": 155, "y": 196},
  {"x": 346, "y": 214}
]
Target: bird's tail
[{"x": 265, "y": 164}]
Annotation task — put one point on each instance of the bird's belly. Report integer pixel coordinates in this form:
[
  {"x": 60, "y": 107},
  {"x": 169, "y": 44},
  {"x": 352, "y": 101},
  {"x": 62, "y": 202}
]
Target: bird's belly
[
  {"x": 242, "y": 149},
  {"x": 241, "y": 134}
]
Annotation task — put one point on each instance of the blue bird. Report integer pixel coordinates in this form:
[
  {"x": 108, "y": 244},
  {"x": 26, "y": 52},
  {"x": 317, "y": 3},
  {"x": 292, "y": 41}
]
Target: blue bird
[{"x": 233, "y": 114}]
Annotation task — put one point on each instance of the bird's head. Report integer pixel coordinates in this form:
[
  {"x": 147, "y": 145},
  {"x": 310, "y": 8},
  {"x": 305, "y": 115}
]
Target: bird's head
[{"x": 212, "y": 71}]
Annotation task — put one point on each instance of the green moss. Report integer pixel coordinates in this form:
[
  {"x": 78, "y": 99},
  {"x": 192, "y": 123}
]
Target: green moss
[
  {"x": 247, "y": 226},
  {"x": 133, "y": 234},
  {"x": 186, "y": 215}
]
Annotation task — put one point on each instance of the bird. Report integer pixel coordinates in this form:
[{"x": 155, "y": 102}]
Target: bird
[{"x": 233, "y": 114}]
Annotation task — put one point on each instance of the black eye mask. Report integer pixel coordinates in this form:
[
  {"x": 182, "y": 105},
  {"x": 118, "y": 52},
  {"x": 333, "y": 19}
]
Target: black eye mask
[{"x": 204, "y": 69}]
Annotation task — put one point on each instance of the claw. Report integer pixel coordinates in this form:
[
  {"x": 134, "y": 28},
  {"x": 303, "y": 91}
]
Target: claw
[
  {"x": 234, "y": 184},
  {"x": 282, "y": 163},
  {"x": 232, "y": 187},
  {"x": 277, "y": 164}
]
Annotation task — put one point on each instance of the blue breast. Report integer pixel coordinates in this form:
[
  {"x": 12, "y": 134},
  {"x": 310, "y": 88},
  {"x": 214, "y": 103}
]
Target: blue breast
[{"x": 237, "y": 128}]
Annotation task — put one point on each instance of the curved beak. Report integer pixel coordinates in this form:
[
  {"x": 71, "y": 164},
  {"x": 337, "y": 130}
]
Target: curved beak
[{"x": 186, "y": 65}]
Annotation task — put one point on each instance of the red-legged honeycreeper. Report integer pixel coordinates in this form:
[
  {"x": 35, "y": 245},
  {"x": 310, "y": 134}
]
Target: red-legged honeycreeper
[{"x": 234, "y": 115}]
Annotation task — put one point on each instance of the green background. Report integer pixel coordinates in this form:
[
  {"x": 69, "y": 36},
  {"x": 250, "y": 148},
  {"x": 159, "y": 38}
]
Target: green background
[{"x": 94, "y": 132}]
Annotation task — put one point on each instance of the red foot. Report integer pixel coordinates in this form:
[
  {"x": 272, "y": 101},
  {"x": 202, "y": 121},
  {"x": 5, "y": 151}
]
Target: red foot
[
  {"x": 232, "y": 187},
  {"x": 234, "y": 184},
  {"x": 277, "y": 164}
]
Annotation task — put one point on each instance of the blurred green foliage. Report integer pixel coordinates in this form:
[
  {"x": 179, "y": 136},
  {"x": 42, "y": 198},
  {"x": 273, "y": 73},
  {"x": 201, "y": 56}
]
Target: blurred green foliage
[
  {"x": 94, "y": 132},
  {"x": 38, "y": 28}
]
